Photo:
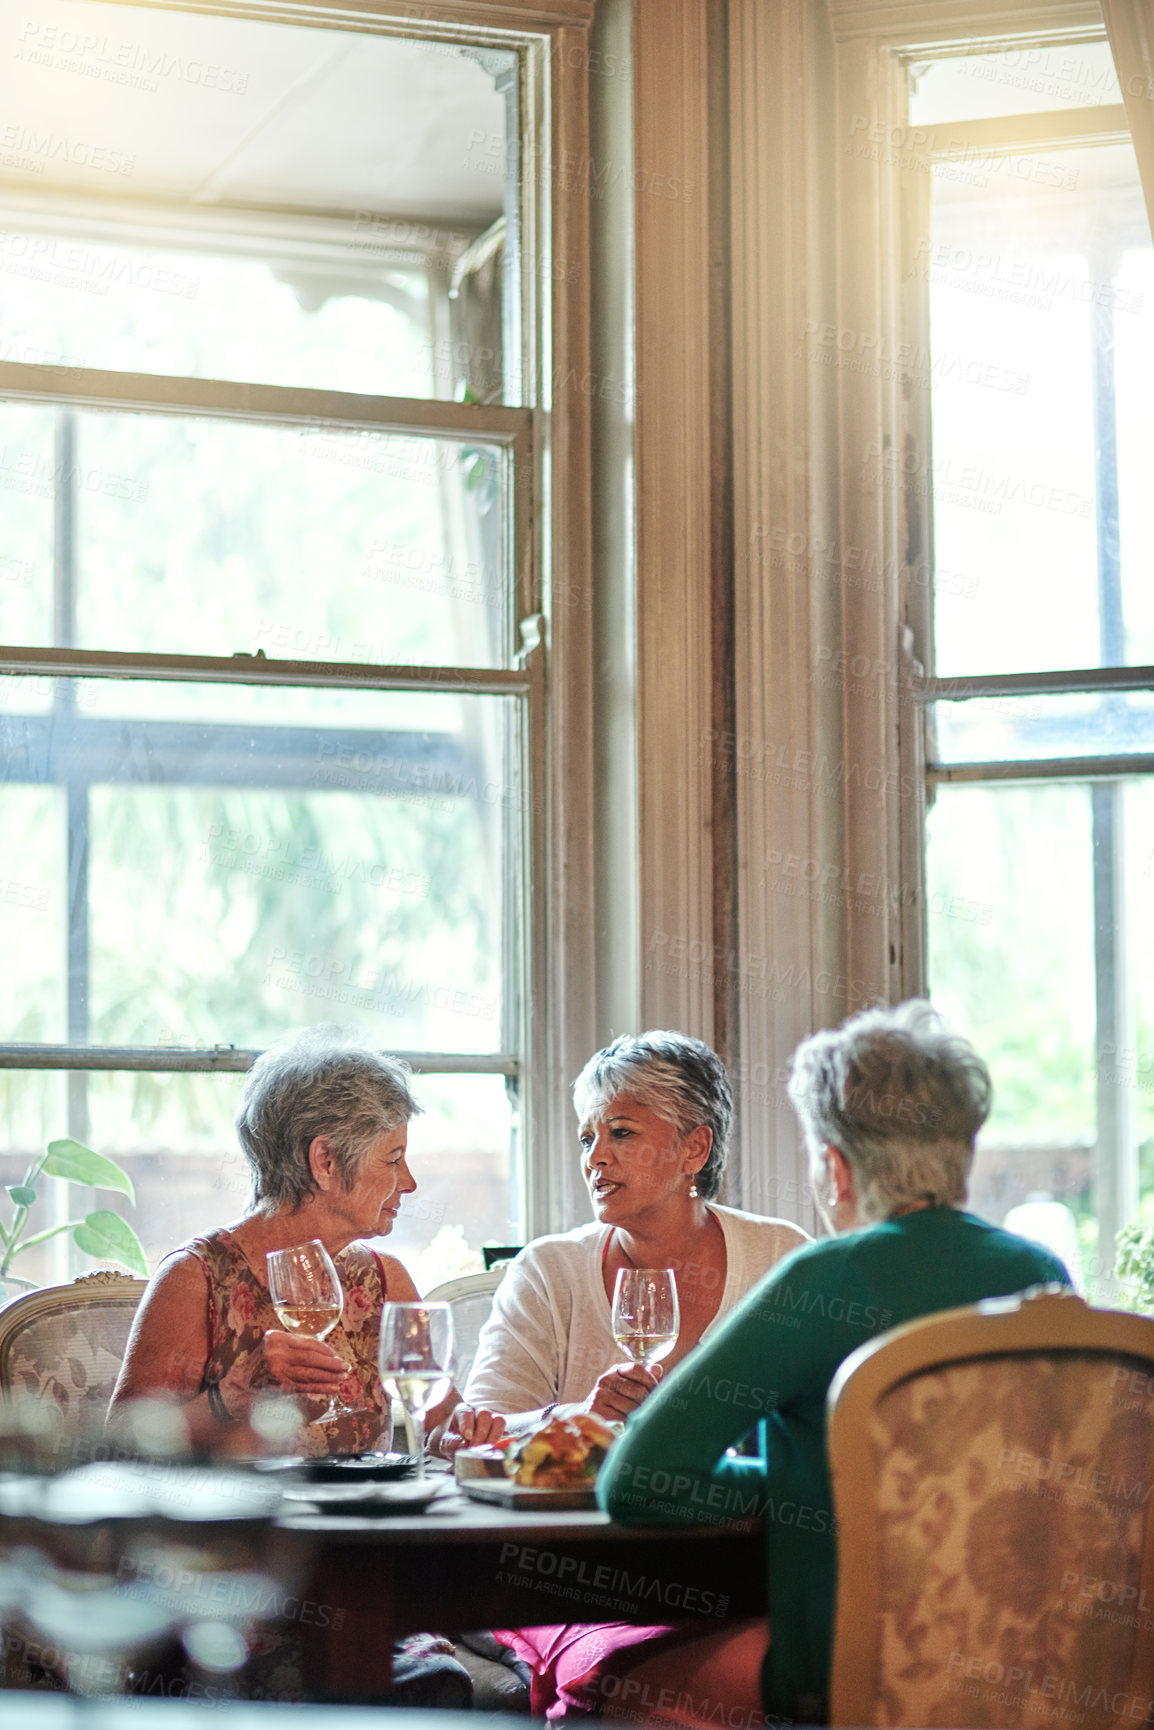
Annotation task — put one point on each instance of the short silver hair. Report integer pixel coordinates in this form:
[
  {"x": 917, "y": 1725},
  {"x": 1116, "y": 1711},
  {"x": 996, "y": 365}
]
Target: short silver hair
[
  {"x": 901, "y": 1097},
  {"x": 680, "y": 1078},
  {"x": 310, "y": 1084}
]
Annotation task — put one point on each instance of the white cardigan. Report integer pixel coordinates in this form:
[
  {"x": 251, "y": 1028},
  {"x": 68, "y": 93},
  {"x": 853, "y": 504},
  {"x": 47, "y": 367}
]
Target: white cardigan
[{"x": 549, "y": 1335}]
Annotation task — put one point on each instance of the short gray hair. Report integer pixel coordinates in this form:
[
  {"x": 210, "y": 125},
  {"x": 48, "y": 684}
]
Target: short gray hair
[
  {"x": 901, "y": 1097},
  {"x": 680, "y": 1078},
  {"x": 310, "y": 1084}
]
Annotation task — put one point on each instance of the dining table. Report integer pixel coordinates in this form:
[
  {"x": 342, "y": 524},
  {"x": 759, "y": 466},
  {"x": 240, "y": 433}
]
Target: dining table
[
  {"x": 345, "y": 1579},
  {"x": 461, "y": 1564}
]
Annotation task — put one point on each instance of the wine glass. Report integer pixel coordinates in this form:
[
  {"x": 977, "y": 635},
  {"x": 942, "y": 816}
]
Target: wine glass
[
  {"x": 646, "y": 1314},
  {"x": 416, "y": 1357},
  {"x": 306, "y": 1294}
]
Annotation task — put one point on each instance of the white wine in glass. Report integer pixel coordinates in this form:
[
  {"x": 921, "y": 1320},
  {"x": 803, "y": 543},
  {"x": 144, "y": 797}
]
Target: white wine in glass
[
  {"x": 646, "y": 1314},
  {"x": 306, "y": 1293},
  {"x": 416, "y": 1361}
]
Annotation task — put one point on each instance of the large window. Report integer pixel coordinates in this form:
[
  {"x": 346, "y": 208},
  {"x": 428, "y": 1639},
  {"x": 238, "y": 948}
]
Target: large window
[
  {"x": 267, "y": 713},
  {"x": 1039, "y": 274}
]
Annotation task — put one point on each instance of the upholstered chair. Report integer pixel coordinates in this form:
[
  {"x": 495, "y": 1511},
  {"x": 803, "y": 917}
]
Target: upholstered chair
[
  {"x": 65, "y": 1343},
  {"x": 992, "y": 1472}
]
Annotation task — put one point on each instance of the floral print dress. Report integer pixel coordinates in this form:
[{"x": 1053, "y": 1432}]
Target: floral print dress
[{"x": 240, "y": 1311}]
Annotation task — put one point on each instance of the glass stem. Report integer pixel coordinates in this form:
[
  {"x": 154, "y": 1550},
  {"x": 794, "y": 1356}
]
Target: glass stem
[{"x": 419, "y": 1440}]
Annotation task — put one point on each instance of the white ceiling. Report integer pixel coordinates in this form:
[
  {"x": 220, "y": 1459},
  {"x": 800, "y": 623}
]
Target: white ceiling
[{"x": 148, "y": 104}]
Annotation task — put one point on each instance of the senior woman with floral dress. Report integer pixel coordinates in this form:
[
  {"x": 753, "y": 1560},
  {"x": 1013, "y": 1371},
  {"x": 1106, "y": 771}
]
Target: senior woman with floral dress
[
  {"x": 324, "y": 1127},
  {"x": 890, "y": 1105}
]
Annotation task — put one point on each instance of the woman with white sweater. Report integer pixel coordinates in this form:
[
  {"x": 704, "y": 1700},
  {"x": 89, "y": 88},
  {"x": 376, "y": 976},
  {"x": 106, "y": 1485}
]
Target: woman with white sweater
[{"x": 654, "y": 1112}]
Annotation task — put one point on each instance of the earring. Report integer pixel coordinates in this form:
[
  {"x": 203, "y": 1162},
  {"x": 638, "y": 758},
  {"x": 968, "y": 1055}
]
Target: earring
[{"x": 693, "y": 1189}]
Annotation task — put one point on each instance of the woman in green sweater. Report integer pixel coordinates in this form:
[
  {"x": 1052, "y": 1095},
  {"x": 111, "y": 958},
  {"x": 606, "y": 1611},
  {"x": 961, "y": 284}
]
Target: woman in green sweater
[{"x": 890, "y": 1104}]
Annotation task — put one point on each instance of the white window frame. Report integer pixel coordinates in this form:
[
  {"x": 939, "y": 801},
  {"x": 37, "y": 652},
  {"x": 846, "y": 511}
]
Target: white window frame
[
  {"x": 829, "y": 760},
  {"x": 548, "y": 444},
  {"x": 886, "y": 198},
  {"x": 873, "y": 44}
]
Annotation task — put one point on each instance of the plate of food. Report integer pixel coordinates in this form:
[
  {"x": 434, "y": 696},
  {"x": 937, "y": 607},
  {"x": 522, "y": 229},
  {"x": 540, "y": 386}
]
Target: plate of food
[
  {"x": 406, "y": 1497},
  {"x": 555, "y": 1467},
  {"x": 369, "y": 1468}
]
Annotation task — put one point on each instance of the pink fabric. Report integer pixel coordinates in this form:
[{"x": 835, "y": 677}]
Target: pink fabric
[{"x": 575, "y": 1665}]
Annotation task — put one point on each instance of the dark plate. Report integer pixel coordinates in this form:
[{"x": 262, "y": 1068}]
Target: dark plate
[
  {"x": 359, "y": 1500},
  {"x": 344, "y": 1468}
]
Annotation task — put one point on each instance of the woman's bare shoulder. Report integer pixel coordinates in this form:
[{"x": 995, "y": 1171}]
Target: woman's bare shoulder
[
  {"x": 399, "y": 1287},
  {"x": 185, "y": 1259},
  {"x": 178, "y": 1275},
  {"x": 168, "y": 1345},
  {"x": 201, "y": 1262}
]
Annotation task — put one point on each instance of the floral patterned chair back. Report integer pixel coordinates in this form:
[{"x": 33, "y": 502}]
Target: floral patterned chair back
[
  {"x": 992, "y": 1474},
  {"x": 65, "y": 1343}
]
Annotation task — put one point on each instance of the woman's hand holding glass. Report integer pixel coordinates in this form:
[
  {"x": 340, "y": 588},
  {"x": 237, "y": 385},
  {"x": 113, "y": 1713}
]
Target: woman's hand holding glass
[
  {"x": 306, "y": 1292},
  {"x": 646, "y": 1320},
  {"x": 619, "y": 1392},
  {"x": 286, "y": 1364},
  {"x": 302, "y": 1364}
]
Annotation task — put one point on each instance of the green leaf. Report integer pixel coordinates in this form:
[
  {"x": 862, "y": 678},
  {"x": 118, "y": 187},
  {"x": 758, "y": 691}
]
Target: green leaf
[
  {"x": 21, "y": 1194},
  {"x": 107, "y": 1237},
  {"x": 77, "y": 1163},
  {"x": 43, "y": 1236}
]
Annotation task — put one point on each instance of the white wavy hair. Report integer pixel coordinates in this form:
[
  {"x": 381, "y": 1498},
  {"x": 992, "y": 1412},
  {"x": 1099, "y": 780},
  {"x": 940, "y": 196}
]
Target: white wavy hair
[
  {"x": 680, "y": 1078},
  {"x": 310, "y": 1084},
  {"x": 901, "y": 1097}
]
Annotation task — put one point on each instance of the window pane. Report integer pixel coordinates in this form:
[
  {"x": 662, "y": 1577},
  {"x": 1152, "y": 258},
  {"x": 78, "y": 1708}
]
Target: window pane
[
  {"x": 461, "y": 1156},
  {"x": 245, "y": 880},
  {"x": 1018, "y": 81},
  {"x": 1041, "y": 310},
  {"x": 216, "y": 537},
  {"x": 173, "y": 1134},
  {"x": 336, "y": 763},
  {"x": 74, "y": 301},
  {"x": 26, "y": 458},
  {"x": 1026, "y": 955},
  {"x": 1133, "y": 372},
  {"x": 1084, "y": 724},
  {"x": 390, "y": 163},
  {"x": 34, "y": 1111},
  {"x": 33, "y": 913}
]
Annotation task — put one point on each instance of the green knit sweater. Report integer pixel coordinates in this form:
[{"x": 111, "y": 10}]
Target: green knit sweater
[{"x": 769, "y": 1367}]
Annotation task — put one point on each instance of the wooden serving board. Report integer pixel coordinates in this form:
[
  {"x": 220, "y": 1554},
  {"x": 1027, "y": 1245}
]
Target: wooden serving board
[
  {"x": 485, "y": 1462},
  {"x": 526, "y": 1497}
]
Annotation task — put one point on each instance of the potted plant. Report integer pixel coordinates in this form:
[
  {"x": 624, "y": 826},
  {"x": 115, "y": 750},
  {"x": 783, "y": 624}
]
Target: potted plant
[
  {"x": 102, "y": 1234},
  {"x": 1135, "y": 1265}
]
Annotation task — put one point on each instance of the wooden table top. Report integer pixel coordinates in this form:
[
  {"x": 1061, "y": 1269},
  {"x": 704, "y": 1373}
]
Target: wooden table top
[{"x": 457, "y": 1518}]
